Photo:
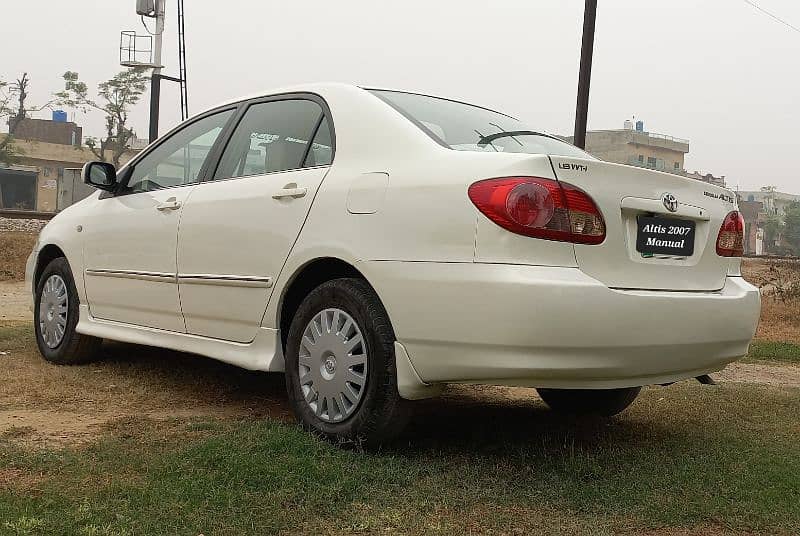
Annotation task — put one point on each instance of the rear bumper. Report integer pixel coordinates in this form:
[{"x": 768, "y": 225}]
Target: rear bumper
[{"x": 557, "y": 327}]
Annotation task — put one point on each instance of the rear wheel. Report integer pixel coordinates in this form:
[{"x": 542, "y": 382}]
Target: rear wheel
[
  {"x": 340, "y": 365},
  {"x": 601, "y": 402},
  {"x": 55, "y": 315}
]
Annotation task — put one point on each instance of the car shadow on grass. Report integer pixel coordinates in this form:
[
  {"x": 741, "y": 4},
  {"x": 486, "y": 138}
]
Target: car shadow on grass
[
  {"x": 474, "y": 416},
  {"x": 477, "y": 415},
  {"x": 189, "y": 380}
]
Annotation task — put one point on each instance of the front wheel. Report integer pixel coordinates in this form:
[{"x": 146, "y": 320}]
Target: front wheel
[
  {"x": 55, "y": 316},
  {"x": 600, "y": 402},
  {"x": 340, "y": 365}
]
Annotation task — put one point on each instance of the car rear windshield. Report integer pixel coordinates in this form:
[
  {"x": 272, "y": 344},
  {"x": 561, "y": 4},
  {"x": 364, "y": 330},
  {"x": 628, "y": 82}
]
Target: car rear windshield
[{"x": 465, "y": 127}]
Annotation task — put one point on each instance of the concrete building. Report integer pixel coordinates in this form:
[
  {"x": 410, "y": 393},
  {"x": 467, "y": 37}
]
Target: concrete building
[
  {"x": 638, "y": 148},
  {"x": 707, "y": 177},
  {"x": 49, "y": 131},
  {"x": 48, "y": 151},
  {"x": 635, "y": 146}
]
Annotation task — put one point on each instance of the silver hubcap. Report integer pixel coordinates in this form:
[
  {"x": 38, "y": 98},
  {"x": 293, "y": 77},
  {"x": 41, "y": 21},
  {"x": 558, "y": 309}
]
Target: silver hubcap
[
  {"x": 53, "y": 311},
  {"x": 332, "y": 365}
]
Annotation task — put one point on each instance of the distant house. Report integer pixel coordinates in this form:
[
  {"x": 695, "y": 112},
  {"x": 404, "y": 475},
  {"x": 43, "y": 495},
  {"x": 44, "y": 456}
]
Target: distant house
[
  {"x": 634, "y": 146},
  {"x": 757, "y": 207},
  {"x": 753, "y": 214},
  {"x": 49, "y": 148},
  {"x": 774, "y": 202}
]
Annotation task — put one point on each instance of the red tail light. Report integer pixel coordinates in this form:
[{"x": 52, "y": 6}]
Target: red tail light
[
  {"x": 541, "y": 208},
  {"x": 730, "y": 240}
]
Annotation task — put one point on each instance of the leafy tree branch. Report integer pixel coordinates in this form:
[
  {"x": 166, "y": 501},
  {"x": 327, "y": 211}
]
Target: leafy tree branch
[
  {"x": 115, "y": 98},
  {"x": 14, "y": 108}
]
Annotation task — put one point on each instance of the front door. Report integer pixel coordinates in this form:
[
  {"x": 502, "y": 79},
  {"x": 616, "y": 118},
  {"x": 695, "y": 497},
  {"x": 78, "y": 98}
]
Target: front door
[
  {"x": 238, "y": 229},
  {"x": 130, "y": 237}
]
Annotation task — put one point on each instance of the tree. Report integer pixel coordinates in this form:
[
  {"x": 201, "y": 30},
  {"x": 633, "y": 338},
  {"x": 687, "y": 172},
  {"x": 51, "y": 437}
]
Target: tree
[
  {"x": 116, "y": 97},
  {"x": 773, "y": 227},
  {"x": 14, "y": 107},
  {"x": 791, "y": 226}
]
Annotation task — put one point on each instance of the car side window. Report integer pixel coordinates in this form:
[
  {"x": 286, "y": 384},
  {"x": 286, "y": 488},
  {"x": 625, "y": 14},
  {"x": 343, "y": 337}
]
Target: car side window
[
  {"x": 178, "y": 160},
  {"x": 272, "y": 136},
  {"x": 321, "y": 152}
]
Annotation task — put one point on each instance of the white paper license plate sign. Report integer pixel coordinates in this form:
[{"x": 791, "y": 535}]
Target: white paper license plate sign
[{"x": 665, "y": 236}]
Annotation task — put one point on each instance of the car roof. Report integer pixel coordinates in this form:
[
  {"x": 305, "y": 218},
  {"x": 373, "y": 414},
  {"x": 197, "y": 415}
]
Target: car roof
[{"x": 323, "y": 88}]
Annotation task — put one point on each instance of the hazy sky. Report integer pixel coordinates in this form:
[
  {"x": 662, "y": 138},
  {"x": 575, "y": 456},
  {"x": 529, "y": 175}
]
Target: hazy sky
[{"x": 717, "y": 72}]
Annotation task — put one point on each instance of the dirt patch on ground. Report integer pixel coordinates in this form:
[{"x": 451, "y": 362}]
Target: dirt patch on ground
[
  {"x": 45, "y": 403},
  {"x": 775, "y": 375},
  {"x": 14, "y": 250},
  {"x": 49, "y": 427},
  {"x": 14, "y": 301}
]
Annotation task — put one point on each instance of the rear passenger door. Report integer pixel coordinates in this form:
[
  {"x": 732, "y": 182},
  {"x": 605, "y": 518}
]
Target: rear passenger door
[{"x": 238, "y": 228}]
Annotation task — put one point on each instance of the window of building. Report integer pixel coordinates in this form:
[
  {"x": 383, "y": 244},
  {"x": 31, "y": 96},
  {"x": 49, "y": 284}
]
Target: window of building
[
  {"x": 45, "y": 171},
  {"x": 641, "y": 159},
  {"x": 677, "y": 165},
  {"x": 651, "y": 162}
]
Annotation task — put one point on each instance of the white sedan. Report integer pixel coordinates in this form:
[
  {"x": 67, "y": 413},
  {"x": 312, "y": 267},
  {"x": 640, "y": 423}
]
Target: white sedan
[{"x": 376, "y": 245}]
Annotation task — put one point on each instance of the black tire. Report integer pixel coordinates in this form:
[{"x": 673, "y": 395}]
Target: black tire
[
  {"x": 598, "y": 402},
  {"x": 380, "y": 414},
  {"x": 74, "y": 348}
]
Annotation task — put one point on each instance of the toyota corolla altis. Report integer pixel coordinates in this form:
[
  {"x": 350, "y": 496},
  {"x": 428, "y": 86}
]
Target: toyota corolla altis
[{"x": 376, "y": 245}]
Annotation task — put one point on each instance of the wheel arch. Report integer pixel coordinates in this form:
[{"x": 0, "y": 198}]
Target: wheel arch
[
  {"x": 46, "y": 255},
  {"x": 308, "y": 277}
]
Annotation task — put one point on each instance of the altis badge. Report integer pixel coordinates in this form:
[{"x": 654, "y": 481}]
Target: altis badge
[{"x": 724, "y": 197}]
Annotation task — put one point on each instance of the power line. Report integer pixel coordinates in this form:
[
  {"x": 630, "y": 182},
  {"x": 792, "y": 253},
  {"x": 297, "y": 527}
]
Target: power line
[{"x": 772, "y": 16}]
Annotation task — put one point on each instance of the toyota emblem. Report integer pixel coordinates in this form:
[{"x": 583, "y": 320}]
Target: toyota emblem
[{"x": 670, "y": 202}]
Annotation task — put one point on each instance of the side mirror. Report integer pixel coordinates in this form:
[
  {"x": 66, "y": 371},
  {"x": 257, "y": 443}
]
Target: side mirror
[{"x": 101, "y": 175}]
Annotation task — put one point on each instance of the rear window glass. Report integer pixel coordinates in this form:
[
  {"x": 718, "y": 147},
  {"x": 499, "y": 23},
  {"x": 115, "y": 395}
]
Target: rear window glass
[{"x": 465, "y": 127}]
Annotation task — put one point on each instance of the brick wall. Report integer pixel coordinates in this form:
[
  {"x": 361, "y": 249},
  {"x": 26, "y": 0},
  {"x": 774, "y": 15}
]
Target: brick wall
[{"x": 49, "y": 131}]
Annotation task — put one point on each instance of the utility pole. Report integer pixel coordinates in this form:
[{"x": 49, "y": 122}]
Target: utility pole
[
  {"x": 155, "y": 81},
  {"x": 585, "y": 73}
]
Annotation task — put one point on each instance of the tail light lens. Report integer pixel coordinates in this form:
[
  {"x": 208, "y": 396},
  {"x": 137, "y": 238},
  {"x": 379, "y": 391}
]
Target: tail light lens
[
  {"x": 541, "y": 208},
  {"x": 730, "y": 241}
]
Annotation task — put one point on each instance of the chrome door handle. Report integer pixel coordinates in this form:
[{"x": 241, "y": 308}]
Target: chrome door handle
[
  {"x": 290, "y": 190},
  {"x": 169, "y": 204}
]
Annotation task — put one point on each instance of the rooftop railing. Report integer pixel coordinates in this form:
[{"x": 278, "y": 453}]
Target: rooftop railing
[{"x": 665, "y": 137}]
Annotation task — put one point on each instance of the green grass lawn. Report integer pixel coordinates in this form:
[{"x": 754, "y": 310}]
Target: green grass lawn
[
  {"x": 785, "y": 352},
  {"x": 724, "y": 458}
]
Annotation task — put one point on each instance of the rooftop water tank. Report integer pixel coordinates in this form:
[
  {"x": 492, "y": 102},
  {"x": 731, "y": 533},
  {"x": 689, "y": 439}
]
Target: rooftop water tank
[
  {"x": 59, "y": 116},
  {"x": 639, "y": 126},
  {"x": 628, "y": 124}
]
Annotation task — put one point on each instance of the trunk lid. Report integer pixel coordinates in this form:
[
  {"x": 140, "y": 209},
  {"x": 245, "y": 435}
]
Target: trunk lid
[{"x": 624, "y": 193}]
